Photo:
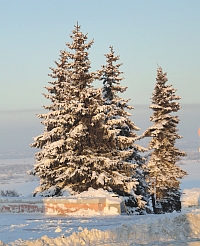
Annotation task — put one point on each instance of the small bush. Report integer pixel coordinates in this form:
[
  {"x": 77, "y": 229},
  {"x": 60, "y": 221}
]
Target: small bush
[{"x": 11, "y": 193}]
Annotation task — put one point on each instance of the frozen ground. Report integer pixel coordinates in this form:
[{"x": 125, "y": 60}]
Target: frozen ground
[
  {"x": 169, "y": 229},
  {"x": 13, "y": 175}
]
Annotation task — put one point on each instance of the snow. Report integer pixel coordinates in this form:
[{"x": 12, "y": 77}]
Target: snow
[
  {"x": 13, "y": 175},
  {"x": 191, "y": 197},
  {"x": 174, "y": 228},
  {"x": 99, "y": 193},
  {"x": 86, "y": 228}
]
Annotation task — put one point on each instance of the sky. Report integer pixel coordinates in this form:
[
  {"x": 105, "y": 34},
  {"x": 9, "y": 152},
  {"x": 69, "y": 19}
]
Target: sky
[{"x": 146, "y": 34}]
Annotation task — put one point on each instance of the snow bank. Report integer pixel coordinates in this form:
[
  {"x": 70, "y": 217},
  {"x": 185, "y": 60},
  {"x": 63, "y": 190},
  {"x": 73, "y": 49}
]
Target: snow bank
[
  {"x": 110, "y": 197},
  {"x": 190, "y": 197},
  {"x": 154, "y": 230}
]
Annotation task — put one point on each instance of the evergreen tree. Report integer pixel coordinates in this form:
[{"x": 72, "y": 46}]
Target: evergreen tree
[
  {"x": 52, "y": 142},
  {"x": 78, "y": 150},
  {"x": 164, "y": 173},
  {"x": 118, "y": 120}
]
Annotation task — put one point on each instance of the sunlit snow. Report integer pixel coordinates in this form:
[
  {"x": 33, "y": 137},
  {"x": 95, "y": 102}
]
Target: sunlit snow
[{"x": 86, "y": 228}]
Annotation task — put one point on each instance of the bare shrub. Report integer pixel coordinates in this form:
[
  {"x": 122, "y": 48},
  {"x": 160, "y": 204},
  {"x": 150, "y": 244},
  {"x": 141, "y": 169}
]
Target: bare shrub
[{"x": 9, "y": 193}]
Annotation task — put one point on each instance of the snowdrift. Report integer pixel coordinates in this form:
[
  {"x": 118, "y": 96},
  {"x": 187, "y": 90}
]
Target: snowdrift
[
  {"x": 168, "y": 229},
  {"x": 190, "y": 197}
]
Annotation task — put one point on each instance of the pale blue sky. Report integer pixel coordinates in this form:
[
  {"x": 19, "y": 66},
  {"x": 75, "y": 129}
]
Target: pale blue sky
[{"x": 144, "y": 33}]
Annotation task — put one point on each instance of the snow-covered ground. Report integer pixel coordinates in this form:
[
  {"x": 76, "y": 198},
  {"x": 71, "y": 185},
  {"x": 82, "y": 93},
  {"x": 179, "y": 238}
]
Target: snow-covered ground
[
  {"x": 168, "y": 229},
  {"x": 86, "y": 229},
  {"x": 13, "y": 175}
]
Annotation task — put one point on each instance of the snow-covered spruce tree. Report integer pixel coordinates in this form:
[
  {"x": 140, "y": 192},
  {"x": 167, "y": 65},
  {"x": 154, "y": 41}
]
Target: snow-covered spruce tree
[
  {"x": 164, "y": 173},
  {"x": 78, "y": 150},
  {"x": 118, "y": 120},
  {"x": 52, "y": 141}
]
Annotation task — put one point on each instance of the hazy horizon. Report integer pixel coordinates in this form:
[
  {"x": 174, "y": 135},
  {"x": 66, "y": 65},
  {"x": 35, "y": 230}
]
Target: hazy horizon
[{"x": 18, "y": 127}]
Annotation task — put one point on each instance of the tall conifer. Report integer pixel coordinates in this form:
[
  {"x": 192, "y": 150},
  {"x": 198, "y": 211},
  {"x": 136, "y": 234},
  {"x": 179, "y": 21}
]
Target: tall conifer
[
  {"x": 164, "y": 172},
  {"x": 78, "y": 150},
  {"x": 118, "y": 120}
]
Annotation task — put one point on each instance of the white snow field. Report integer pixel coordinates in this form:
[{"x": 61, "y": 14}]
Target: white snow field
[
  {"x": 168, "y": 229},
  {"x": 87, "y": 228}
]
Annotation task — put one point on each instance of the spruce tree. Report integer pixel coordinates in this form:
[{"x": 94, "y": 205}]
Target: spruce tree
[
  {"x": 164, "y": 173},
  {"x": 118, "y": 120},
  {"x": 78, "y": 150},
  {"x": 52, "y": 142}
]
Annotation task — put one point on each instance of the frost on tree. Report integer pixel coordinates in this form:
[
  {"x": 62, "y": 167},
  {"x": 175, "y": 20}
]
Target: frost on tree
[
  {"x": 117, "y": 120},
  {"x": 77, "y": 149},
  {"x": 164, "y": 173}
]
